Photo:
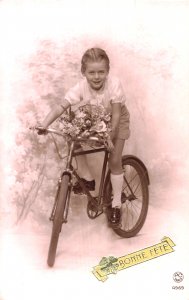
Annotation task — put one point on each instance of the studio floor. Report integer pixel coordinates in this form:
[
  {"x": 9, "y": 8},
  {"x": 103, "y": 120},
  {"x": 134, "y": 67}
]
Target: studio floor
[{"x": 83, "y": 242}]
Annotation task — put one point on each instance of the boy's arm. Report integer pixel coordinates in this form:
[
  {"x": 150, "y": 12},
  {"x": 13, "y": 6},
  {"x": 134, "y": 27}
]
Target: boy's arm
[{"x": 56, "y": 112}]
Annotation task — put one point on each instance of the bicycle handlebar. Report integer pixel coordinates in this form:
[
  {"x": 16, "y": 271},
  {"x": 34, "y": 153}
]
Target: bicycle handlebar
[{"x": 78, "y": 138}]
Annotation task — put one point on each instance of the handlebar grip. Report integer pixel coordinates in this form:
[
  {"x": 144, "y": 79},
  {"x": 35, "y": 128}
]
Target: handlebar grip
[{"x": 40, "y": 130}]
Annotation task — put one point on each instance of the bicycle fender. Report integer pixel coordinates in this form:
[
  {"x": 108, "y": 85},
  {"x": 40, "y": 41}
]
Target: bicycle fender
[{"x": 127, "y": 156}]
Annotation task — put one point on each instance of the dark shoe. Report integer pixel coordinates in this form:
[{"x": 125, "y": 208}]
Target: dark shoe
[
  {"x": 114, "y": 216},
  {"x": 90, "y": 185}
]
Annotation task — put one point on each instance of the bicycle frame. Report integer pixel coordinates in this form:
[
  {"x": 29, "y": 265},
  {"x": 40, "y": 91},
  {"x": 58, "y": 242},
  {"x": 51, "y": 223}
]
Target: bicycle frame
[
  {"x": 69, "y": 170},
  {"x": 104, "y": 168},
  {"x": 72, "y": 172}
]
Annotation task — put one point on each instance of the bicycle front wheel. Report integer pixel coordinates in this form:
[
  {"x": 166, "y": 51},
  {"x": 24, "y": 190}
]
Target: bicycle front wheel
[
  {"x": 62, "y": 196},
  {"x": 135, "y": 197}
]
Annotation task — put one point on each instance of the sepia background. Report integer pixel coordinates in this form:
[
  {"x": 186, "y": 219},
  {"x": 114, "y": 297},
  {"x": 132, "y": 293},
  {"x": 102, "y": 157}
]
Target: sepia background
[{"x": 41, "y": 47}]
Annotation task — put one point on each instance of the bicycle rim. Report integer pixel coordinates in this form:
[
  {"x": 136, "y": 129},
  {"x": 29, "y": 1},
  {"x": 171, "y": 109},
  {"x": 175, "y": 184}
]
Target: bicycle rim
[
  {"x": 58, "y": 219},
  {"x": 135, "y": 198}
]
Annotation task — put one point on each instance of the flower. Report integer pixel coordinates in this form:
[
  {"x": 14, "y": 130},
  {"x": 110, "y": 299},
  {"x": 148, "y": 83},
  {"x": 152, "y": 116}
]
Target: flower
[
  {"x": 86, "y": 121},
  {"x": 99, "y": 127}
]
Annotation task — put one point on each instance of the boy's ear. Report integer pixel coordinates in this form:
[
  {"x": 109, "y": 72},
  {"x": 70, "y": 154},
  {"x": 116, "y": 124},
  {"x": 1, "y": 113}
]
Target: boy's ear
[{"x": 83, "y": 72}]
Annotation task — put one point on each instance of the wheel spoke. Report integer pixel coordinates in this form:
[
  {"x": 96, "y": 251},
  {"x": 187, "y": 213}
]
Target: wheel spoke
[
  {"x": 131, "y": 213},
  {"x": 134, "y": 198}
]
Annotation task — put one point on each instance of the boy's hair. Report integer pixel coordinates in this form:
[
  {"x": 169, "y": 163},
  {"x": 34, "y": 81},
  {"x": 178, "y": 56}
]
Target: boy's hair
[{"x": 94, "y": 54}]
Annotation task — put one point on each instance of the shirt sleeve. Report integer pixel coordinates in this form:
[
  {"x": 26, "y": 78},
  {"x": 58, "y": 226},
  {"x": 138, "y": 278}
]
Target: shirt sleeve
[
  {"x": 117, "y": 94},
  {"x": 74, "y": 95}
]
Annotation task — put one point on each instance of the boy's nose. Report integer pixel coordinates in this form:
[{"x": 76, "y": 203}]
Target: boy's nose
[{"x": 96, "y": 75}]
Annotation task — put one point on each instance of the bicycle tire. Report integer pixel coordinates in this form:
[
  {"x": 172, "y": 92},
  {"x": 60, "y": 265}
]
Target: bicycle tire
[
  {"x": 134, "y": 172},
  {"x": 58, "y": 219}
]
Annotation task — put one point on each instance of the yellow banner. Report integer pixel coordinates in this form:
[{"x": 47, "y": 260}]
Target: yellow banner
[{"x": 111, "y": 265}]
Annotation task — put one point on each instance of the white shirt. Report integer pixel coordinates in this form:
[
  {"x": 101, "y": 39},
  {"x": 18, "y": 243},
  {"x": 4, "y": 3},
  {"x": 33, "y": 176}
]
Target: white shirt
[{"x": 82, "y": 93}]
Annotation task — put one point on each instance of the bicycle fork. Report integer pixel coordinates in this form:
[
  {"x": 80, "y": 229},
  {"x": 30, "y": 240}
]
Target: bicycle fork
[
  {"x": 64, "y": 218},
  {"x": 68, "y": 171}
]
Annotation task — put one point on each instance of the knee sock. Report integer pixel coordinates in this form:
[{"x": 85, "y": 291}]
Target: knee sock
[{"x": 117, "y": 184}]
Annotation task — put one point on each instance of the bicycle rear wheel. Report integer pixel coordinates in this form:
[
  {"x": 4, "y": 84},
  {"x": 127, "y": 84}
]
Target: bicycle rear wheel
[
  {"x": 63, "y": 194},
  {"x": 135, "y": 197}
]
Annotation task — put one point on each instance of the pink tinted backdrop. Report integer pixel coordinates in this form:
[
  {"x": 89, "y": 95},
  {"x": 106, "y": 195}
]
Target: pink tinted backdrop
[
  {"x": 41, "y": 47},
  {"x": 41, "y": 60}
]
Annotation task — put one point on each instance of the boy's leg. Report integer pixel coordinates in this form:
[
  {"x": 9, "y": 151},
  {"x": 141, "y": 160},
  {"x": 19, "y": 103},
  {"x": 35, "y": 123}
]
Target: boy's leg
[
  {"x": 115, "y": 160},
  {"x": 117, "y": 184},
  {"x": 86, "y": 175},
  {"x": 83, "y": 168},
  {"x": 115, "y": 164}
]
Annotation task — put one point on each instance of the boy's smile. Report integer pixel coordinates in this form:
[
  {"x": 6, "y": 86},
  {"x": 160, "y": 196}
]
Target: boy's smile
[{"x": 96, "y": 74}]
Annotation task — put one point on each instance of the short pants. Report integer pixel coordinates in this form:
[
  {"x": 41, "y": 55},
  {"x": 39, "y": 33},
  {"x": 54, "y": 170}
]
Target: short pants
[{"x": 123, "y": 129}]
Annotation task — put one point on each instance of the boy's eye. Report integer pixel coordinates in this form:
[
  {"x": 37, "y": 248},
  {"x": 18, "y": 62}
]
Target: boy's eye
[{"x": 92, "y": 72}]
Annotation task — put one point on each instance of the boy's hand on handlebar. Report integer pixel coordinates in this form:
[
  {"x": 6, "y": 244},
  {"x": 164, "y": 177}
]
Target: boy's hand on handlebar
[{"x": 41, "y": 130}]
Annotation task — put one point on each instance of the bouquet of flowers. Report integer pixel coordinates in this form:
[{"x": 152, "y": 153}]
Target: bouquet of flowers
[{"x": 88, "y": 120}]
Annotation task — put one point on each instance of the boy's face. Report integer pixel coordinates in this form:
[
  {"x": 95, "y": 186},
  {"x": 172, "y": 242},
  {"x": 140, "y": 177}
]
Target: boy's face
[{"x": 96, "y": 74}]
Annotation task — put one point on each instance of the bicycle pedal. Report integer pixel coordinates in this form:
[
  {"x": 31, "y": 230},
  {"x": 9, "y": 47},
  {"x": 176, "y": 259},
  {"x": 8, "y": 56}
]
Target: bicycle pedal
[{"x": 114, "y": 226}]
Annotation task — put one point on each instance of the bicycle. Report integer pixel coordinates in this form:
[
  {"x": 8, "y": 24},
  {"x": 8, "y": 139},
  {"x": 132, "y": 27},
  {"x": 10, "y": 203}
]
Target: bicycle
[{"x": 134, "y": 200}]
